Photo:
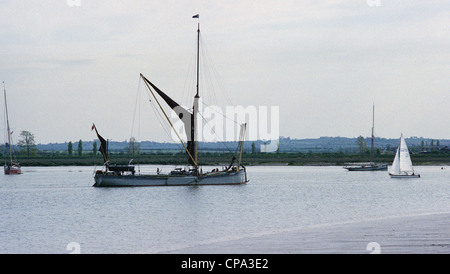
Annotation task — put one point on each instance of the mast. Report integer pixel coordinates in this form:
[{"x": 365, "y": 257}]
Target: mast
[
  {"x": 7, "y": 124},
  {"x": 373, "y": 126},
  {"x": 400, "y": 147},
  {"x": 196, "y": 99},
  {"x": 189, "y": 119},
  {"x": 198, "y": 56}
]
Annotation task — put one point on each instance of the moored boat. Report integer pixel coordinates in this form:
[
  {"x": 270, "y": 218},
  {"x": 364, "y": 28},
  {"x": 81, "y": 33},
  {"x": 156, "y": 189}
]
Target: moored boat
[
  {"x": 11, "y": 167},
  {"x": 366, "y": 167},
  {"x": 372, "y": 166},
  {"x": 126, "y": 175},
  {"x": 112, "y": 179}
]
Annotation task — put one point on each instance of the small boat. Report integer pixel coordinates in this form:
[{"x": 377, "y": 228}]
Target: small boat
[
  {"x": 126, "y": 176},
  {"x": 366, "y": 167},
  {"x": 372, "y": 166},
  {"x": 11, "y": 166},
  {"x": 402, "y": 166}
]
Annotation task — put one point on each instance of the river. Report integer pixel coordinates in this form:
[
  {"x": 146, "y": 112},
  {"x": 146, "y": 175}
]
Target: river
[{"x": 52, "y": 209}]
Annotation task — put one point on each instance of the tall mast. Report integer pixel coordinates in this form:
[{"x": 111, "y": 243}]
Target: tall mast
[
  {"x": 196, "y": 98},
  {"x": 400, "y": 153},
  {"x": 373, "y": 126},
  {"x": 198, "y": 56},
  {"x": 7, "y": 123}
]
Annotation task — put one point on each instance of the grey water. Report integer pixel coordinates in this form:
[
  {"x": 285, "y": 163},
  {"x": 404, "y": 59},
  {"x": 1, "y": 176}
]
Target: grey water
[{"x": 47, "y": 209}]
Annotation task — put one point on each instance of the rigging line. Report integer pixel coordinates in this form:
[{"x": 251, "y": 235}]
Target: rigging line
[
  {"x": 137, "y": 109},
  {"x": 160, "y": 118},
  {"x": 170, "y": 122},
  {"x": 165, "y": 128},
  {"x": 206, "y": 72},
  {"x": 222, "y": 142},
  {"x": 215, "y": 132},
  {"x": 215, "y": 71},
  {"x": 212, "y": 93},
  {"x": 226, "y": 117},
  {"x": 206, "y": 75},
  {"x": 190, "y": 79}
]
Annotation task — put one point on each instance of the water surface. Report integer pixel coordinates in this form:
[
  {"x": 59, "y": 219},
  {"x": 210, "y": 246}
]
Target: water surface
[{"x": 46, "y": 208}]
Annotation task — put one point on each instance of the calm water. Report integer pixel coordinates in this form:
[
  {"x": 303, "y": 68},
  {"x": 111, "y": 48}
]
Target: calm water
[{"x": 46, "y": 208}]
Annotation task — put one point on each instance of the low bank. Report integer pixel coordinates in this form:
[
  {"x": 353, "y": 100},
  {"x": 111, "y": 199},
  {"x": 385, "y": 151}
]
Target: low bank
[{"x": 293, "y": 159}]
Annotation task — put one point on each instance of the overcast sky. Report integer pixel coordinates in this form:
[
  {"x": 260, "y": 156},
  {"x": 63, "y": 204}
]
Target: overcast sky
[{"x": 324, "y": 63}]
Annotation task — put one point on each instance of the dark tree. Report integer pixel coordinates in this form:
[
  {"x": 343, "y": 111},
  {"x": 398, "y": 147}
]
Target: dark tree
[
  {"x": 80, "y": 148},
  {"x": 70, "y": 148},
  {"x": 27, "y": 142}
]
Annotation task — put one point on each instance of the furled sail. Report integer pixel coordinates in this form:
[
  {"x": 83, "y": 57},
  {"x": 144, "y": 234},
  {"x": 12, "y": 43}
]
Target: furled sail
[
  {"x": 103, "y": 144},
  {"x": 185, "y": 116}
]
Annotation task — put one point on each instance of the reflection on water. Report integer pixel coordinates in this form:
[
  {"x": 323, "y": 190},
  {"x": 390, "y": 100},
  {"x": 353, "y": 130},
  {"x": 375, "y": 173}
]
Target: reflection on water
[{"x": 45, "y": 209}]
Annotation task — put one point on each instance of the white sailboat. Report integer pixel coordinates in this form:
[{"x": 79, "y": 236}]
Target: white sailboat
[{"x": 402, "y": 166}]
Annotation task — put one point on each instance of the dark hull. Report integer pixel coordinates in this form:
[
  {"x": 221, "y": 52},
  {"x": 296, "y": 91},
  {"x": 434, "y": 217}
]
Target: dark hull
[
  {"x": 404, "y": 176},
  {"x": 367, "y": 168}
]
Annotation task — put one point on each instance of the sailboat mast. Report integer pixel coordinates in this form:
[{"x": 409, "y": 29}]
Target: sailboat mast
[
  {"x": 373, "y": 127},
  {"x": 7, "y": 123},
  {"x": 196, "y": 98},
  {"x": 400, "y": 165}
]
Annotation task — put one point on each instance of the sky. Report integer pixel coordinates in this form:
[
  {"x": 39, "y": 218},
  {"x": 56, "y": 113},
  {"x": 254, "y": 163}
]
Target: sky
[{"x": 69, "y": 63}]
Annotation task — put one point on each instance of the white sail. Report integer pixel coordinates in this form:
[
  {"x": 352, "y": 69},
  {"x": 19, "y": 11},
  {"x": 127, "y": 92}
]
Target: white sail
[
  {"x": 395, "y": 168},
  {"x": 402, "y": 164},
  {"x": 405, "y": 160}
]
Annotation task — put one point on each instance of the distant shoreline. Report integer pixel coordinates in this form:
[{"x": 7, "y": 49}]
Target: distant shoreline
[{"x": 259, "y": 159}]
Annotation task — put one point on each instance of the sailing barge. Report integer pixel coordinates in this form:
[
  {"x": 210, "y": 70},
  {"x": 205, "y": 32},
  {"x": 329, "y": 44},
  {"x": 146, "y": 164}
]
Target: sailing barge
[{"x": 126, "y": 175}]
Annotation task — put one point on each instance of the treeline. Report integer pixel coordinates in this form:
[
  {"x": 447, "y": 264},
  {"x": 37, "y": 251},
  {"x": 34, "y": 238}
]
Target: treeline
[
  {"x": 217, "y": 158},
  {"x": 285, "y": 144},
  {"x": 320, "y": 151}
]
